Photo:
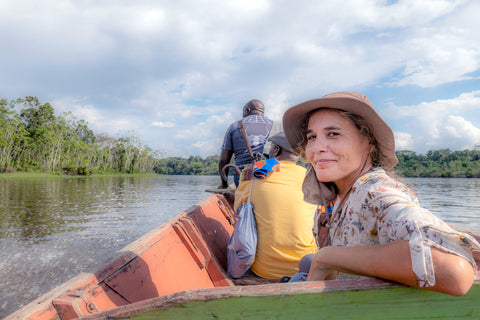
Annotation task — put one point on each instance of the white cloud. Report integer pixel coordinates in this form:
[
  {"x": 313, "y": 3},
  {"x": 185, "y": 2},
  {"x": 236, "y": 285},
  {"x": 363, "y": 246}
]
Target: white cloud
[
  {"x": 463, "y": 131},
  {"x": 439, "y": 59},
  {"x": 404, "y": 141},
  {"x": 206, "y": 129},
  {"x": 87, "y": 112},
  {"x": 162, "y": 124},
  {"x": 169, "y": 68},
  {"x": 452, "y": 123}
]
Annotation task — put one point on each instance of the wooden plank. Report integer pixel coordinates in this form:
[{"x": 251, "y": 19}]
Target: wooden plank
[
  {"x": 394, "y": 303},
  {"x": 364, "y": 299}
]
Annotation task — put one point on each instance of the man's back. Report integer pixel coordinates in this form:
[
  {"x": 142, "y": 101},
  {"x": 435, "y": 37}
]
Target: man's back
[
  {"x": 257, "y": 129},
  {"x": 284, "y": 221}
]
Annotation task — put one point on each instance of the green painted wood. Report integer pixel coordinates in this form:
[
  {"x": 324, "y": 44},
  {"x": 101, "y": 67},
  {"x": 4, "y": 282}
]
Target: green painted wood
[{"x": 392, "y": 303}]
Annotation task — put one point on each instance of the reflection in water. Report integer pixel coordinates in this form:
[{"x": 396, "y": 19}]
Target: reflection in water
[
  {"x": 51, "y": 229},
  {"x": 39, "y": 208}
]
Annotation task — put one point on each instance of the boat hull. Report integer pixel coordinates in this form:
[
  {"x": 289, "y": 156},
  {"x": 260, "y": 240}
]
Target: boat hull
[
  {"x": 187, "y": 252},
  {"x": 178, "y": 271},
  {"x": 348, "y": 299}
]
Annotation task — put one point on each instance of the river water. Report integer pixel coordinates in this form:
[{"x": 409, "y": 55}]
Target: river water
[{"x": 51, "y": 229}]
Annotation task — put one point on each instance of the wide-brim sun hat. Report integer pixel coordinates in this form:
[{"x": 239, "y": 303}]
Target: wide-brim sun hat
[{"x": 353, "y": 102}]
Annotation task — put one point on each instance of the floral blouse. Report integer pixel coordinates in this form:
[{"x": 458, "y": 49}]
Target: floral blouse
[{"x": 380, "y": 210}]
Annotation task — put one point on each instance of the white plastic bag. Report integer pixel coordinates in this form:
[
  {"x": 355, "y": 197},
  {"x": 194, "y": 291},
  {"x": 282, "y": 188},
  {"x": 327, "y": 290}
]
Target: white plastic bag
[{"x": 243, "y": 242}]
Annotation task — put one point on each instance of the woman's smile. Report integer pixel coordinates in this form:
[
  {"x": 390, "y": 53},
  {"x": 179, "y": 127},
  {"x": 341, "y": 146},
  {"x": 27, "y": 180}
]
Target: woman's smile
[
  {"x": 337, "y": 150},
  {"x": 323, "y": 163}
]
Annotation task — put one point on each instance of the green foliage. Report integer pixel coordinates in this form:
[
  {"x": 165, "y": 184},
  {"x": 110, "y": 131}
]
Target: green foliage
[
  {"x": 194, "y": 165},
  {"x": 33, "y": 139},
  {"x": 439, "y": 163}
]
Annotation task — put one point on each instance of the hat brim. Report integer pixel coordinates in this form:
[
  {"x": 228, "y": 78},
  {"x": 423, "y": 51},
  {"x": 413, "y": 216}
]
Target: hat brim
[
  {"x": 294, "y": 118},
  {"x": 280, "y": 140},
  {"x": 317, "y": 192}
]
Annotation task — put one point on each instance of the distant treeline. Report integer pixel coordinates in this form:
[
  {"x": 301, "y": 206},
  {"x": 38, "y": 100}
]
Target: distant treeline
[
  {"x": 33, "y": 139},
  {"x": 193, "y": 165},
  {"x": 440, "y": 163}
]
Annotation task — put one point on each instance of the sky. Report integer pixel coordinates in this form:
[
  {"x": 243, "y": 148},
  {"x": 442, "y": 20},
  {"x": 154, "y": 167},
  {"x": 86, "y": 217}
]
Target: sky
[{"x": 177, "y": 73}]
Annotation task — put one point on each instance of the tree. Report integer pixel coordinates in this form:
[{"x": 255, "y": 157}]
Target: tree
[
  {"x": 36, "y": 139},
  {"x": 439, "y": 163},
  {"x": 13, "y": 136}
]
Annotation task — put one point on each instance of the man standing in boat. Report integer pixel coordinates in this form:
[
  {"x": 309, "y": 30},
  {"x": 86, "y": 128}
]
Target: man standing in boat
[{"x": 257, "y": 128}]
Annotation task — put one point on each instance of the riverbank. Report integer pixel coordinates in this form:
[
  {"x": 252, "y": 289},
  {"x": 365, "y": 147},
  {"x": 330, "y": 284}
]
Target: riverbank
[{"x": 58, "y": 175}]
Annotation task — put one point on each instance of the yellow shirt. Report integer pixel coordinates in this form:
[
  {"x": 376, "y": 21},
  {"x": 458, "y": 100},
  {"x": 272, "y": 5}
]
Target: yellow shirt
[{"x": 284, "y": 221}]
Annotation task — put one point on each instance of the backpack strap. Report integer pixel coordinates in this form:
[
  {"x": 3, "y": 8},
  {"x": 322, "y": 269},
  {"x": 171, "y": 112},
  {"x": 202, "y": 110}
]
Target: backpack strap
[{"x": 245, "y": 138}]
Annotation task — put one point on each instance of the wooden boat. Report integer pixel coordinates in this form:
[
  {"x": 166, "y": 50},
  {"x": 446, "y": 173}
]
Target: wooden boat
[{"x": 178, "y": 271}]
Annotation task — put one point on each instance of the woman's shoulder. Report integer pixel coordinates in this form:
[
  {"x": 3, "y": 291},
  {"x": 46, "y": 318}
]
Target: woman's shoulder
[
  {"x": 377, "y": 183},
  {"x": 374, "y": 178}
]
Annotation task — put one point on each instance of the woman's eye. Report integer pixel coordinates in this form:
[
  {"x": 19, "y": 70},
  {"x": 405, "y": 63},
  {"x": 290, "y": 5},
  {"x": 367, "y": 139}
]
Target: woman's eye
[
  {"x": 332, "y": 134},
  {"x": 311, "y": 137}
]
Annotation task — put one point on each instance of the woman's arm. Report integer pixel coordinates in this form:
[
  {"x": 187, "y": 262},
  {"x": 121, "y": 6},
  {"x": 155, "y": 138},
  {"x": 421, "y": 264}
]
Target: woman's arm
[{"x": 453, "y": 274}]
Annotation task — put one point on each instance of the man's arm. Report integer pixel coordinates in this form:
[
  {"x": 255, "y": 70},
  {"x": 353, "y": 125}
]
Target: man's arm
[
  {"x": 453, "y": 274},
  {"x": 225, "y": 157}
]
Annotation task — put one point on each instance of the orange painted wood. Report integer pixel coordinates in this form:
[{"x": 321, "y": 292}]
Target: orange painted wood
[
  {"x": 184, "y": 258},
  {"x": 186, "y": 252}
]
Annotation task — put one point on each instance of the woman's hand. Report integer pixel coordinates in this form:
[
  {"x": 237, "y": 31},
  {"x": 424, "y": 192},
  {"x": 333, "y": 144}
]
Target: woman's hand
[{"x": 319, "y": 270}]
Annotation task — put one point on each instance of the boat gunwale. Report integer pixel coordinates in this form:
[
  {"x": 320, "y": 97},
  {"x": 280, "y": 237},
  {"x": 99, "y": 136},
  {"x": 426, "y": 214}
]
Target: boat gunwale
[
  {"x": 262, "y": 290},
  {"x": 112, "y": 265}
]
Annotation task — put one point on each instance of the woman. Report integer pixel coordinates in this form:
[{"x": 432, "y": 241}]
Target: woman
[{"x": 377, "y": 228}]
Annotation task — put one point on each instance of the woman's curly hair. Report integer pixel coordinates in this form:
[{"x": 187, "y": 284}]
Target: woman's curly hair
[{"x": 358, "y": 121}]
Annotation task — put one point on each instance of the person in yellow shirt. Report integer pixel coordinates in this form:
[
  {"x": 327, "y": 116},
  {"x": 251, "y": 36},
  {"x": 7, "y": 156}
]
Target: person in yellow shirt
[{"x": 284, "y": 220}]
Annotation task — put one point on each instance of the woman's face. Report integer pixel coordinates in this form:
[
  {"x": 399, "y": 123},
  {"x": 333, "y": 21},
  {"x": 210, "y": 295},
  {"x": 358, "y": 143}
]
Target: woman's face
[{"x": 336, "y": 149}]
